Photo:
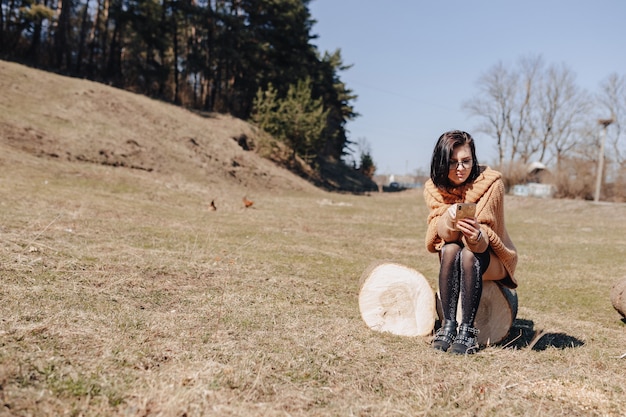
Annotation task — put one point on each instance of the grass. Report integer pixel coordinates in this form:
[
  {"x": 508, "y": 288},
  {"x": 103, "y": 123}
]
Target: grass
[
  {"x": 120, "y": 297},
  {"x": 121, "y": 294}
]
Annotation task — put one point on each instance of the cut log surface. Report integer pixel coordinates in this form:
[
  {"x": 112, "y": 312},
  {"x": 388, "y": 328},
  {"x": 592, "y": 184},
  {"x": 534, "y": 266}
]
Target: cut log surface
[
  {"x": 396, "y": 299},
  {"x": 618, "y": 296},
  {"x": 496, "y": 313}
]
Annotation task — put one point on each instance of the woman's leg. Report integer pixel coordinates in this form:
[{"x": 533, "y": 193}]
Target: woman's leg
[
  {"x": 473, "y": 266},
  {"x": 450, "y": 279},
  {"x": 449, "y": 287}
]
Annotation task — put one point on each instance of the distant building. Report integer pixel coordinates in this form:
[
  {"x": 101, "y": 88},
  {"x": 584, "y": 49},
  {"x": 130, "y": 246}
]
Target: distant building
[
  {"x": 534, "y": 185},
  {"x": 536, "y": 172}
]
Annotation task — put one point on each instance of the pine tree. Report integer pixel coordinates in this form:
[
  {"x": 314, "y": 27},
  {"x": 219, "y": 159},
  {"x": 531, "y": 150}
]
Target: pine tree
[{"x": 297, "y": 119}]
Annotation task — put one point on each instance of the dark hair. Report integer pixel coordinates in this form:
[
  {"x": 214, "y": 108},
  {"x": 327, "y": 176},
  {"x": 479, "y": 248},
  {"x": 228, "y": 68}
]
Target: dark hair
[{"x": 440, "y": 163}]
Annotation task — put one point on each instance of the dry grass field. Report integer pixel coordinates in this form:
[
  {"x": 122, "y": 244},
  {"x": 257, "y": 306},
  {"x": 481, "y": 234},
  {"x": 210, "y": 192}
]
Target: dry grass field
[{"x": 123, "y": 294}]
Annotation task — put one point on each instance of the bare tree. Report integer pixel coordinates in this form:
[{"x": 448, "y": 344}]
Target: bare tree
[
  {"x": 562, "y": 110},
  {"x": 533, "y": 112},
  {"x": 494, "y": 104},
  {"x": 521, "y": 128},
  {"x": 612, "y": 99}
]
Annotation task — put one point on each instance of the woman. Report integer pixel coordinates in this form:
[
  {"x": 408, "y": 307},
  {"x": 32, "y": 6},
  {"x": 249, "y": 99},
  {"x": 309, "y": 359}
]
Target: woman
[{"x": 472, "y": 249}]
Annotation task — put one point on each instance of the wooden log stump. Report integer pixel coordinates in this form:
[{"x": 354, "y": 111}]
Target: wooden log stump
[
  {"x": 496, "y": 312},
  {"x": 396, "y": 299},
  {"x": 618, "y": 296}
]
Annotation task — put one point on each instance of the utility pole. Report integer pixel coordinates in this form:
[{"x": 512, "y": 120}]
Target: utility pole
[{"x": 605, "y": 123}]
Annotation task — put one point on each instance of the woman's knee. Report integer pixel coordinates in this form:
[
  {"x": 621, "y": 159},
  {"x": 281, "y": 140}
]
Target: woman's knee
[
  {"x": 468, "y": 254},
  {"x": 452, "y": 247},
  {"x": 471, "y": 259},
  {"x": 450, "y": 252}
]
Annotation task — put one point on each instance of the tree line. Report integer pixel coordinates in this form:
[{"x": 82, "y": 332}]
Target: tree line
[
  {"x": 224, "y": 56},
  {"x": 536, "y": 112}
]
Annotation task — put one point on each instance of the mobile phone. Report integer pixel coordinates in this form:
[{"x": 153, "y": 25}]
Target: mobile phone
[{"x": 464, "y": 210}]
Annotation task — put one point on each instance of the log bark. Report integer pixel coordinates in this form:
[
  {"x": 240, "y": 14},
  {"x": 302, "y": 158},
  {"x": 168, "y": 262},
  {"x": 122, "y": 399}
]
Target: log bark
[
  {"x": 396, "y": 299},
  {"x": 496, "y": 312},
  {"x": 618, "y": 296}
]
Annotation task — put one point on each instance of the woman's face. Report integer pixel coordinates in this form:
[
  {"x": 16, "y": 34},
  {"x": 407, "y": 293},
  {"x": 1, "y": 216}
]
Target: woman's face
[{"x": 460, "y": 164}]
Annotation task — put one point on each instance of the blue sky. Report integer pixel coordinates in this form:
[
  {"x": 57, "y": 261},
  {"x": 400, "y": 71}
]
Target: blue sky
[{"x": 415, "y": 62}]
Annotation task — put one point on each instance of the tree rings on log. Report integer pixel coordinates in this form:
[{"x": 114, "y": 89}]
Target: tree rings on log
[
  {"x": 618, "y": 297},
  {"x": 397, "y": 299},
  {"x": 496, "y": 312}
]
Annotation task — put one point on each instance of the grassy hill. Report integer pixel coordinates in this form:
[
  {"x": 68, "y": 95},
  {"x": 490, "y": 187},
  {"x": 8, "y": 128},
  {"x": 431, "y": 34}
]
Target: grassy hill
[
  {"x": 70, "y": 119},
  {"x": 75, "y": 120},
  {"x": 122, "y": 293}
]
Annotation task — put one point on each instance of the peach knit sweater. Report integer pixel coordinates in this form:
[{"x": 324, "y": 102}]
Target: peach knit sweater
[{"x": 487, "y": 191}]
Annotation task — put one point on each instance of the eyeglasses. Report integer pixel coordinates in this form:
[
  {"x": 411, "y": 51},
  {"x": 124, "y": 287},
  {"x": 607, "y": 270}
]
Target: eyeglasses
[{"x": 466, "y": 163}]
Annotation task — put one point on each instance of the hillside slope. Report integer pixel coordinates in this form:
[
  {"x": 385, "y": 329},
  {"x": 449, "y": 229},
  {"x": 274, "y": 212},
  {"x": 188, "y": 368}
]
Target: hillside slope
[{"x": 66, "y": 119}]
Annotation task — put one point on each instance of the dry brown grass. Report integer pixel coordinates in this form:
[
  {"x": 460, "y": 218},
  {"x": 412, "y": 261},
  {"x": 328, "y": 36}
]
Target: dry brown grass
[{"x": 122, "y": 294}]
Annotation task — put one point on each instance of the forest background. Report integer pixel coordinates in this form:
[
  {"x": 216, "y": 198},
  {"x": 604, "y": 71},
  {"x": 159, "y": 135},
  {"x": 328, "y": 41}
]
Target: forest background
[{"x": 244, "y": 58}]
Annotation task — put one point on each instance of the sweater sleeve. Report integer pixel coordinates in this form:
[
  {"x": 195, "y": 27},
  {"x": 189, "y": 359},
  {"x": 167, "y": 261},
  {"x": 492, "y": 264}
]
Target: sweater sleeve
[
  {"x": 445, "y": 228},
  {"x": 440, "y": 228}
]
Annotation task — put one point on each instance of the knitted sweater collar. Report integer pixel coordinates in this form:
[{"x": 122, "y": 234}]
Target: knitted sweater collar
[{"x": 470, "y": 192}]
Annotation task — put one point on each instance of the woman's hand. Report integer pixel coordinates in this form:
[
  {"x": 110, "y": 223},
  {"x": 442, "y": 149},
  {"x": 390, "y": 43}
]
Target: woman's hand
[{"x": 470, "y": 228}]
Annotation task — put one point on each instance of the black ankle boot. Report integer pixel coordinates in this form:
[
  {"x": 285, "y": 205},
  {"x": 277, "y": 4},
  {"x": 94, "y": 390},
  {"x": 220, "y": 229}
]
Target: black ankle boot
[
  {"x": 465, "y": 342},
  {"x": 445, "y": 335}
]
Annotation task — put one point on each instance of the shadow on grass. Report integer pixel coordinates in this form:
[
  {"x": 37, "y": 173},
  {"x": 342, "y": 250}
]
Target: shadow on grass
[
  {"x": 205, "y": 114},
  {"x": 523, "y": 335}
]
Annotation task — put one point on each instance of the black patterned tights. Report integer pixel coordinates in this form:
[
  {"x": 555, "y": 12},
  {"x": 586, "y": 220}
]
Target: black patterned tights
[{"x": 461, "y": 276}]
